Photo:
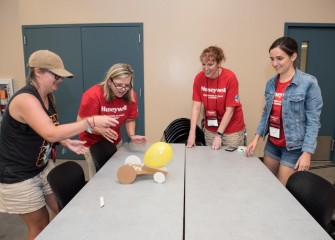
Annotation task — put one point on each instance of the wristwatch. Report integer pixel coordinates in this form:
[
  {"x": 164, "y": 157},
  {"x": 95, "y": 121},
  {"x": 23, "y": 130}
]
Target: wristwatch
[{"x": 219, "y": 134}]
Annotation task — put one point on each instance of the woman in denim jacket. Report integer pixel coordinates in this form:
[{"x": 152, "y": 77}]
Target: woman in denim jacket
[{"x": 291, "y": 115}]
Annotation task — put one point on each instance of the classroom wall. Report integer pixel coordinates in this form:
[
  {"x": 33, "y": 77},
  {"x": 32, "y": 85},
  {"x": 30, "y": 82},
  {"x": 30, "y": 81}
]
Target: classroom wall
[{"x": 175, "y": 33}]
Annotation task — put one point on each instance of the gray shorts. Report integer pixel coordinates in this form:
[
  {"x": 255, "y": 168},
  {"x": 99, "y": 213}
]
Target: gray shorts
[{"x": 26, "y": 196}]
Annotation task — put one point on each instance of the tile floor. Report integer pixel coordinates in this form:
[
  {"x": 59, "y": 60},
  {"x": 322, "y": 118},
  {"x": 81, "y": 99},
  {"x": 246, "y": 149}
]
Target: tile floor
[{"x": 13, "y": 228}]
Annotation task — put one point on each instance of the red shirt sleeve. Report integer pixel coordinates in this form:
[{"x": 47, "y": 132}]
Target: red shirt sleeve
[
  {"x": 232, "y": 99},
  {"x": 197, "y": 89}
]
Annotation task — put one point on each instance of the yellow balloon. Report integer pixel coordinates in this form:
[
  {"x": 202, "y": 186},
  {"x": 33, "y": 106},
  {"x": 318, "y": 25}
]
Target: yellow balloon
[{"x": 158, "y": 155}]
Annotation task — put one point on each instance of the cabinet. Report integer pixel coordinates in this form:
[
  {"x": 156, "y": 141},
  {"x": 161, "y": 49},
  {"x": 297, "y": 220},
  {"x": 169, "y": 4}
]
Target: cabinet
[{"x": 6, "y": 92}]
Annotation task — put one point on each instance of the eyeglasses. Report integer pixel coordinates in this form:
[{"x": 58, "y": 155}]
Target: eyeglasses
[
  {"x": 120, "y": 86},
  {"x": 57, "y": 77}
]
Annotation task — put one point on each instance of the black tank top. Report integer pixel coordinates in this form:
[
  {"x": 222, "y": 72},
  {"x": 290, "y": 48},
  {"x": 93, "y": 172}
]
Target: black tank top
[{"x": 23, "y": 153}]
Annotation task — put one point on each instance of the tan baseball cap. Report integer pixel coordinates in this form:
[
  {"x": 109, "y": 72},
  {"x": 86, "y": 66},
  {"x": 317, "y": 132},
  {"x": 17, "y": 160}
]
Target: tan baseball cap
[{"x": 46, "y": 59}]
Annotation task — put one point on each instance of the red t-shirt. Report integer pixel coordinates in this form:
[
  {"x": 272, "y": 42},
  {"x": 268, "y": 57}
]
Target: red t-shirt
[
  {"x": 93, "y": 103},
  {"x": 276, "y": 114},
  {"x": 217, "y": 94}
]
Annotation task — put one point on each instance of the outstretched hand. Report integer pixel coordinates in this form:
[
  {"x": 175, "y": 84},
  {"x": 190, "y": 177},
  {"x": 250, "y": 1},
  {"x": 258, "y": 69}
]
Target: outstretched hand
[
  {"x": 104, "y": 121},
  {"x": 76, "y": 146},
  {"x": 137, "y": 139},
  {"x": 108, "y": 133}
]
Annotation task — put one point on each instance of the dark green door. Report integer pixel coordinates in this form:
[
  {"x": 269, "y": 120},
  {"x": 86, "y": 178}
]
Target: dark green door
[
  {"x": 316, "y": 43},
  {"x": 88, "y": 51}
]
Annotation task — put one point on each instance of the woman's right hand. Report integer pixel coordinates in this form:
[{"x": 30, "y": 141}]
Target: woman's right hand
[
  {"x": 109, "y": 134},
  {"x": 103, "y": 121},
  {"x": 191, "y": 140},
  {"x": 137, "y": 139}
]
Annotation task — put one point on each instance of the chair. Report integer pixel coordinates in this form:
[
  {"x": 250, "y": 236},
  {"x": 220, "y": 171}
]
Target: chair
[
  {"x": 316, "y": 195},
  {"x": 177, "y": 132},
  {"x": 101, "y": 152},
  {"x": 176, "y": 124},
  {"x": 66, "y": 180}
]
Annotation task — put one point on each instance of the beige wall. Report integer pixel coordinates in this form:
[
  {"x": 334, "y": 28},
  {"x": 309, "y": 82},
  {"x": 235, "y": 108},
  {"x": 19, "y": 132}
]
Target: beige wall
[{"x": 175, "y": 33}]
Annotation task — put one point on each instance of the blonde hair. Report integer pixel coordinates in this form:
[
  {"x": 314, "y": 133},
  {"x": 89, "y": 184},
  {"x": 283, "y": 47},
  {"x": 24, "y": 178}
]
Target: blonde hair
[{"x": 119, "y": 70}]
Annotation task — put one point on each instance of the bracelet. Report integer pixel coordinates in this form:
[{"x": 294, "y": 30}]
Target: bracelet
[
  {"x": 219, "y": 134},
  {"x": 93, "y": 122},
  {"x": 89, "y": 123},
  {"x": 89, "y": 126}
]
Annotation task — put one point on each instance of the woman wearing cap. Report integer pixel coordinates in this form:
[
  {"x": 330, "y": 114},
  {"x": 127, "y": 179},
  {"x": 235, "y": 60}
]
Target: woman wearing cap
[
  {"x": 29, "y": 132},
  {"x": 217, "y": 89},
  {"x": 116, "y": 97}
]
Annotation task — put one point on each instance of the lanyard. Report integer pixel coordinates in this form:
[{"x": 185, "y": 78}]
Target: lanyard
[{"x": 216, "y": 92}]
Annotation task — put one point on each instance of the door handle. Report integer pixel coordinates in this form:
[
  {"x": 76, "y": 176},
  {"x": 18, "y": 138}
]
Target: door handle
[{"x": 304, "y": 50}]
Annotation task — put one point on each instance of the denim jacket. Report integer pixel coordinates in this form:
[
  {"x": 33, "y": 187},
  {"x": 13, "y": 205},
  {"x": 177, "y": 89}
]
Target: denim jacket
[{"x": 301, "y": 109}]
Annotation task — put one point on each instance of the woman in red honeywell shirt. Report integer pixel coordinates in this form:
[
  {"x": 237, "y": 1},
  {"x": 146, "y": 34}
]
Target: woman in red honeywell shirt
[
  {"x": 115, "y": 97},
  {"x": 217, "y": 89}
]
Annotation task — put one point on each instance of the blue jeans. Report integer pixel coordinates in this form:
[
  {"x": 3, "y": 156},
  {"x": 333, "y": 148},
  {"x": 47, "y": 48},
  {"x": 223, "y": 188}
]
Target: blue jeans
[{"x": 281, "y": 154}]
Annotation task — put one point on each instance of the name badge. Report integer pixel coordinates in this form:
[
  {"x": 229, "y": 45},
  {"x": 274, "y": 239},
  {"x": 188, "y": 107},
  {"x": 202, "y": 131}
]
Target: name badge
[
  {"x": 212, "y": 120},
  {"x": 212, "y": 123},
  {"x": 274, "y": 132},
  {"x": 274, "y": 129}
]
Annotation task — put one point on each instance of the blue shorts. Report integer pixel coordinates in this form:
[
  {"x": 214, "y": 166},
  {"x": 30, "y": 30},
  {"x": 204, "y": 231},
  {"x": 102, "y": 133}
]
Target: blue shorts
[{"x": 281, "y": 154}]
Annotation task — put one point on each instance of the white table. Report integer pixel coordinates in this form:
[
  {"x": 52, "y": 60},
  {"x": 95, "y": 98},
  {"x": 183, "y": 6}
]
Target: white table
[
  {"x": 141, "y": 210},
  {"x": 229, "y": 196}
]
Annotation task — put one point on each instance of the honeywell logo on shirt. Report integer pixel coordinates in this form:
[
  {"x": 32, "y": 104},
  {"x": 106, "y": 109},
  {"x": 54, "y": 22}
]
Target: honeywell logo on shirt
[
  {"x": 114, "y": 110},
  {"x": 213, "y": 90},
  {"x": 278, "y": 99}
]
